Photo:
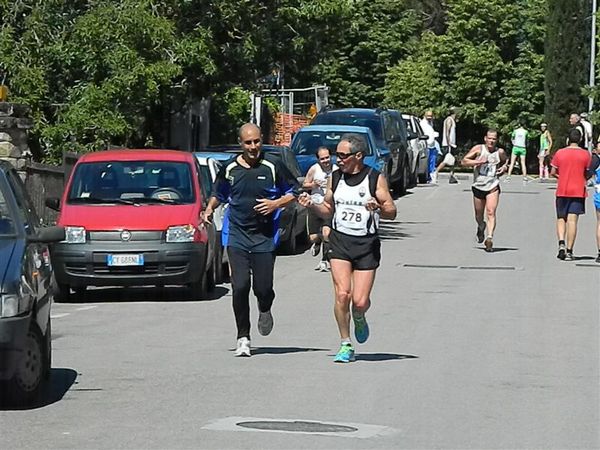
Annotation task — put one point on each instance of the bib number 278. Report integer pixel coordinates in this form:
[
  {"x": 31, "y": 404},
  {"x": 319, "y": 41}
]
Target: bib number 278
[{"x": 350, "y": 216}]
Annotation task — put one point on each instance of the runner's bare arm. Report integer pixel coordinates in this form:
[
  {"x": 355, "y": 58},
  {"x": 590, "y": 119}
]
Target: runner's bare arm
[
  {"x": 309, "y": 179},
  {"x": 470, "y": 159},
  {"x": 503, "y": 160},
  {"x": 384, "y": 198}
]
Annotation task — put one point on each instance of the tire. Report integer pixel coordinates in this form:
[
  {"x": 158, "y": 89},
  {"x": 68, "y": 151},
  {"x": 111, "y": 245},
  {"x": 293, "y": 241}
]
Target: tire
[
  {"x": 62, "y": 292},
  {"x": 218, "y": 265},
  {"x": 32, "y": 369},
  {"x": 422, "y": 177},
  {"x": 199, "y": 289}
]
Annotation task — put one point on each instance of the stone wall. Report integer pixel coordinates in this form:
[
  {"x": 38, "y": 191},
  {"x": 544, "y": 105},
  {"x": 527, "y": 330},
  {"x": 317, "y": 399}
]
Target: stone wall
[{"x": 14, "y": 126}]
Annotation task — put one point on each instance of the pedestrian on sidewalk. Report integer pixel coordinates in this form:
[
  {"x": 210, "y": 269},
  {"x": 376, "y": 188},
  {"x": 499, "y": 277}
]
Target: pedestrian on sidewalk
[
  {"x": 318, "y": 228},
  {"x": 544, "y": 151},
  {"x": 357, "y": 196},
  {"x": 256, "y": 186},
  {"x": 588, "y": 129},
  {"x": 519, "y": 148},
  {"x": 595, "y": 171},
  {"x": 488, "y": 162},
  {"x": 427, "y": 127},
  {"x": 575, "y": 122},
  {"x": 448, "y": 146},
  {"x": 570, "y": 165}
]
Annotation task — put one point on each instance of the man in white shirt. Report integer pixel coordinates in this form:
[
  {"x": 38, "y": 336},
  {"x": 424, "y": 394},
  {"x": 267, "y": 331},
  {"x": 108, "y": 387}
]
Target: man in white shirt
[
  {"x": 588, "y": 132},
  {"x": 449, "y": 145},
  {"x": 427, "y": 126}
]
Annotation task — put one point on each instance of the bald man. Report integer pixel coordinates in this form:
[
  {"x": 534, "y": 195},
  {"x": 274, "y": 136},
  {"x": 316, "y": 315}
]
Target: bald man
[{"x": 256, "y": 186}]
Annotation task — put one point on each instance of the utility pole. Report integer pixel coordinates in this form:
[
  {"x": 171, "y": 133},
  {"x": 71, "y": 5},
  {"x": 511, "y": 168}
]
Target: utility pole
[{"x": 593, "y": 56}]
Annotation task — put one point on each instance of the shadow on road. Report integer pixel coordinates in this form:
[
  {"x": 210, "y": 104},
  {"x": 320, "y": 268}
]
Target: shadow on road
[
  {"x": 392, "y": 231},
  {"x": 145, "y": 294},
  {"x": 584, "y": 258},
  {"x": 283, "y": 350},
  {"x": 500, "y": 249},
  {"x": 382, "y": 356},
  {"x": 58, "y": 385}
]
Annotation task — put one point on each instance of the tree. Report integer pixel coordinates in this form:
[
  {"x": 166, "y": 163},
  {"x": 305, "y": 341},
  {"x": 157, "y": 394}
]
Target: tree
[{"x": 566, "y": 63}]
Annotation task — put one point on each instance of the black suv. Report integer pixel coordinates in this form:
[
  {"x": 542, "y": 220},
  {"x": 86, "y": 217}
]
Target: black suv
[{"x": 390, "y": 136}]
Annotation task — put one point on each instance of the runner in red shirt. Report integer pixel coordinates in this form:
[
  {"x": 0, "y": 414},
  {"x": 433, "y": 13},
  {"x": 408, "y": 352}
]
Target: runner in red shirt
[{"x": 570, "y": 165}]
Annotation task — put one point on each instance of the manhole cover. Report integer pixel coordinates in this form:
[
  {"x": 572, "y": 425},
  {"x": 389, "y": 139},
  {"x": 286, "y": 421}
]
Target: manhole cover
[{"x": 297, "y": 426}]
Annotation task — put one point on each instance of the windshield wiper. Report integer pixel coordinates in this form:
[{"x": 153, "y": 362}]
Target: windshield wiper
[
  {"x": 166, "y": 201},
  {"x": 98, "y": 200}
]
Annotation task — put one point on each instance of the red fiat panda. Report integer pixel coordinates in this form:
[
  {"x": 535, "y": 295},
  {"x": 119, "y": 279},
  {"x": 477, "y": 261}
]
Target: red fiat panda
[{"x": 132, "y": 217}]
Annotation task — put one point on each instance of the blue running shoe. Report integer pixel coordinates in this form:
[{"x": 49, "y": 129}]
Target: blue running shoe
[
  {"x": 345, "y": 354},
  {"x": 361, "y": 329}
]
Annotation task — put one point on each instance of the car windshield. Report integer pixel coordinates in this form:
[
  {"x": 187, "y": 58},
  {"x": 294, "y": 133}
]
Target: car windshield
[
  {"x": 307, "y": 142},
  {"x": 7, "y": 219},
  {"x": 352, "y": 119},
  {"x": 132, "y": 182}
]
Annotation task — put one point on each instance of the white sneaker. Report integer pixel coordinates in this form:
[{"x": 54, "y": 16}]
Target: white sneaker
[
  {"x": 433, "y": 176},
  {"x": 321, "y": 266},
  {"x": 242, "y": 347},
  {"x": 507, "y": 179}
]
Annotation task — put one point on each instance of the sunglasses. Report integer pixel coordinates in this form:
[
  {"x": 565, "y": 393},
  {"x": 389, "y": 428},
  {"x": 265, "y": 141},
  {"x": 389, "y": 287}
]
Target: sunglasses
[
  {"x": 343, "y": 156},
  {"x": 255, "y": 141}
]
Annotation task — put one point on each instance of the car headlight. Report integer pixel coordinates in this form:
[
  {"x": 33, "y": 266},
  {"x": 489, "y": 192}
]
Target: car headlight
[
  {"x": 183, "y": 233},
  {"x": 9, "y": 305},
  {"x": 74, "y": 235}
]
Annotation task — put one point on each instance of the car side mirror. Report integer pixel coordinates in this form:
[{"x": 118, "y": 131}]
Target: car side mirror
[
  {"x": 53, "y": 203},
  {"x": 412, "y": 135},
  {"x": 48, "y": 235},
  {"x": 423, "y": 137}
]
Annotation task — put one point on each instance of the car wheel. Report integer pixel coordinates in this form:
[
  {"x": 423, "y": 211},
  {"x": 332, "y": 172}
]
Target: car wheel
[
  {"x": 29, "y": 377},
  {"x": 62, "y": 292},
  {"x": 289, "y": 247},
  {"x": 218, "y": 264},
  {"x": 199, "y": 289}
]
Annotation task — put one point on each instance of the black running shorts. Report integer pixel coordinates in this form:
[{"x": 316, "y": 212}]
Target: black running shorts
[
  {"x": 364, "y": 252},
  {"x": 316, "y": 222}
]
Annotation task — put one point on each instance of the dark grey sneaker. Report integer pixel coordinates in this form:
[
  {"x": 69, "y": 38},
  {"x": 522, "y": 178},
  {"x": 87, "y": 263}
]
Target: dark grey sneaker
[
  {"x": 562, "y": 252},
  {"x": 265, "y": 323},
  {"x": 452, "y": 180},
  {"x": 569, "y": 256},
  {"x": 480, "y": 233}
]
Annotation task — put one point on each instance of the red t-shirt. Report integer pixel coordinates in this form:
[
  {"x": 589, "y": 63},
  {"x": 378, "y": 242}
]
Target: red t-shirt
[{"x": 571, "y": 163}]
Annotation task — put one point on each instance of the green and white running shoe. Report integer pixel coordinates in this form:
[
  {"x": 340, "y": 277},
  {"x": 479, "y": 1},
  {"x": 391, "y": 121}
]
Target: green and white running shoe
[
  {"x": 361, "y": 329},
  {"x": 345, "y": 354}
]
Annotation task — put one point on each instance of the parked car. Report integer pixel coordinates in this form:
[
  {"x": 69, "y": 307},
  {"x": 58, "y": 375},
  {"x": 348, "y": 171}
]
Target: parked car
[
  {"x": 293, "y": 219},
  {"x": 132, "y": 218},
  {"x": 418, "y": 144},
  {"x": 308, "y": 139},
  {"x": 209, "y": 168},
  {"x": 25, "y": 292},
  {"x": 391, "y": 143}
]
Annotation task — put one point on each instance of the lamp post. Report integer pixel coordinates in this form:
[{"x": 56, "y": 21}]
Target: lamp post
[{"x": 592, "y": 56}]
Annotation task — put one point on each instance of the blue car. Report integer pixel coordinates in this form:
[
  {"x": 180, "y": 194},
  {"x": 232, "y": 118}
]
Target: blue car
[{"x": 308, "y": 139}]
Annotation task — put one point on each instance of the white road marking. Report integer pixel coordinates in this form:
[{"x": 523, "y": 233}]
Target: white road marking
[
  {"x": 86, "y": 308},
  {"x": 364, "y": 431},
  {"x": 58, "y": 316}
]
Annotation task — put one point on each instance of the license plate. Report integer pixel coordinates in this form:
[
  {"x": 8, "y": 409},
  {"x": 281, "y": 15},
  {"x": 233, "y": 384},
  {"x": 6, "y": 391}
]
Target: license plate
[{"x": 125, "y": 260}]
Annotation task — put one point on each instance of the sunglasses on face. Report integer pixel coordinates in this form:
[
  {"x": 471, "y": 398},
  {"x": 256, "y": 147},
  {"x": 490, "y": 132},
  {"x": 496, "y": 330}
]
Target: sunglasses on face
[
  {"x": 251, "y": 141},
  {"x": 344, "y": 156}
]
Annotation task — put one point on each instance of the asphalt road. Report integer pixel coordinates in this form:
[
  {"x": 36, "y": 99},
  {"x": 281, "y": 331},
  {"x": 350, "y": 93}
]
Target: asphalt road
[{"x": 467, "y": 349}]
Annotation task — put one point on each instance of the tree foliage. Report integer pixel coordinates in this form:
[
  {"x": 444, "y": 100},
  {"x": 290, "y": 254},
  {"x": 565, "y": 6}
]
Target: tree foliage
[{"x": 104, "y": 72}]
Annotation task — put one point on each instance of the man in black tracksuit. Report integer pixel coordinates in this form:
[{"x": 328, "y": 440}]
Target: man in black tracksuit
[{"x": 256, "y": 186}]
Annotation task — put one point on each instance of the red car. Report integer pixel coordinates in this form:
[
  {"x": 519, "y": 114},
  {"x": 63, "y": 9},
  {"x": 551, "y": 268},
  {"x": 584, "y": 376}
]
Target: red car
[{"x": 132, "y": 217}]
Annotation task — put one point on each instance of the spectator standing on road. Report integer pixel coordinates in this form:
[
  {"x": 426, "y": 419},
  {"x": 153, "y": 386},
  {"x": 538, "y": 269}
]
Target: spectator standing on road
[
  {"x": 318, "y": 228},
  {"x": 357, "y": 196},
  {"x": 588, "y": 130},
  {"x": 519, "y": 148},
  {"x": 595, "y": 170},
  {"x": 570, "y": 165},
  {"x": 575, "y": 122},
  {"x": 427, "y": 126},
  {"x": 448, "y": 146},
  {"x": 488, "y": 162},
  {"x": 256, "y": 186},
  {"x": 544, "y": 151}
]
